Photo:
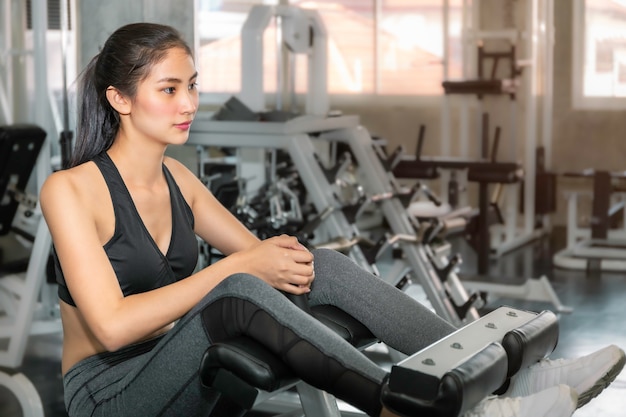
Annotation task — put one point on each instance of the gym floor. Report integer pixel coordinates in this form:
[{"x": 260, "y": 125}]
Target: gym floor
[{"x": 597, "y": 320}]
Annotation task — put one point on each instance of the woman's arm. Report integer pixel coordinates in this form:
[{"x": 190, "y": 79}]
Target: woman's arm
[
  {"x": 115, "y": 320},
  {"x": 281, "y": 261}
]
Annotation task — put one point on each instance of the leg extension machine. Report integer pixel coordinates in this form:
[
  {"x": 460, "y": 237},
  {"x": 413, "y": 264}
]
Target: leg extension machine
[{"x": 444, "y": 379}]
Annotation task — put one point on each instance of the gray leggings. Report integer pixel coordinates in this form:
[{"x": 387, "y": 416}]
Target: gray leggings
[{"x": 160, "y": 377}]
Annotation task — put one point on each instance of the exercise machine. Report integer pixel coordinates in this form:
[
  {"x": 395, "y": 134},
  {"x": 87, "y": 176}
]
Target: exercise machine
[
  {"x": 484, "y": 171},
  {"x": 444, "y": 379},
  {"x": 525, "y": 57},
  {"x": 25, "y": 307}
]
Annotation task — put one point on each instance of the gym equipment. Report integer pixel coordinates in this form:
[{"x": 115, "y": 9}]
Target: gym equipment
[
  {"x": 25, "y": 312},
  {"x": 484, "y": 171},
  {"x": 19, "y": 149},
  {"x": 299, "y": 137},
  {"x": 441, "y": 285},
  {"x": 602, "y": 244},
  {"x": 444, "y": 379}
]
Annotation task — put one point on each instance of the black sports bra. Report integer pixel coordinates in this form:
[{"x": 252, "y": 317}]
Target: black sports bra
[{"x": 137, "y": 260}]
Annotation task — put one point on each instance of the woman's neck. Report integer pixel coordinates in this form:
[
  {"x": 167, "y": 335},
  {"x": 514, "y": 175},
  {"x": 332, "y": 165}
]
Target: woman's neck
[{"x": 141, "y": 165}]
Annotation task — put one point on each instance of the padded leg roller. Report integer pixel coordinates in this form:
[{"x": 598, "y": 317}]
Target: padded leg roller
[
  {"x": 531, "y": 342},
  {"x": 451, "y": 376},
  {"x": 241, "y": 369}
]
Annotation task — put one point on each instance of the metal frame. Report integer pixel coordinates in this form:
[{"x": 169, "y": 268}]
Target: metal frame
[
  {"x": 589, "y": 254},
  {"x": 537, "y": 38},
  {"x": 601, "y": 245},
  {"x": 575, "y": 232},
  {"x": 582, "y": 251},
  {"x": 379, "y": 182},
  {"x": 25, "y": 392},
  {"x": 291, "y": 136},
  {"x": 22, "y": 317}
]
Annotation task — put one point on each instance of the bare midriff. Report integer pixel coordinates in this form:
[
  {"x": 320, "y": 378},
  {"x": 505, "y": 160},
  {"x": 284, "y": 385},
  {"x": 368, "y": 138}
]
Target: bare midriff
[{"x": 79, "y": 342}]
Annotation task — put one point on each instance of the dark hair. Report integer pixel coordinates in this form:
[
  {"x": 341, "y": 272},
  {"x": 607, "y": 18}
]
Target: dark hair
[{"x": 125, "y": 59}]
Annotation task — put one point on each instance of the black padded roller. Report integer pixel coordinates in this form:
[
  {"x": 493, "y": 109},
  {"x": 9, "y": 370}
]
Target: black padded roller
[
  {"x": 410, "y": 392},
  {"x": 531, "y": 342}
]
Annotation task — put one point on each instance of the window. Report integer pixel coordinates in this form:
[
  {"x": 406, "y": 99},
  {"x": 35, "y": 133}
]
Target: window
[
  {"x": 599, "y": 54},
  {"x": 54, "y": 14},
  {"x": 391, "y": 47},
  {"x": 22, "y": 69}
]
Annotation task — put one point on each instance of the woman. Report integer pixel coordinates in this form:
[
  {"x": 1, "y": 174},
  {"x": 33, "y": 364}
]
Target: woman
[{"x": 124, "y": 220}]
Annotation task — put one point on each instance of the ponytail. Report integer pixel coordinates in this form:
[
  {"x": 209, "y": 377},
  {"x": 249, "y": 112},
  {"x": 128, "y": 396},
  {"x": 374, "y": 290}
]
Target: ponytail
[{"x": 97, "y": 122}]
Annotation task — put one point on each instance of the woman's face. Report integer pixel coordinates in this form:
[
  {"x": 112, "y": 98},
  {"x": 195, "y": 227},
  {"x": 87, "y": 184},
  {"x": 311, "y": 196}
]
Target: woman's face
[{"x": 166, "y": 100}]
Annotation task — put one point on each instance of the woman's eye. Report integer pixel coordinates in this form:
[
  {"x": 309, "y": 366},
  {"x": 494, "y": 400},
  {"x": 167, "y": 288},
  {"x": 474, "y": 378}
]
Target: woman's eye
[
  {"x": 169, "y": 90},
  {"x": 193, "y": 86}
]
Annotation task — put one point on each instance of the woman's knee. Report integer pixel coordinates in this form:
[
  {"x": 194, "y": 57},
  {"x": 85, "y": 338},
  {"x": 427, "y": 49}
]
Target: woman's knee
[
  {"x": 329, "y": 255},
  {"x": 330, "y": 263}
]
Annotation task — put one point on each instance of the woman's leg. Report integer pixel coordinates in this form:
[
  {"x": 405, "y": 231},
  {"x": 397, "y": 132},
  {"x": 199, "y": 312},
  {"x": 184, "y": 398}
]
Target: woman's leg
[
  {"x": 391, "y": 315},
  {"x": 315, "y": 353},
  {"x": 165, "y": 380}
]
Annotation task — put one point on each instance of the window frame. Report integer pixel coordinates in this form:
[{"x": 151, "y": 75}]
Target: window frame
[{"x": 579, "y": 100}]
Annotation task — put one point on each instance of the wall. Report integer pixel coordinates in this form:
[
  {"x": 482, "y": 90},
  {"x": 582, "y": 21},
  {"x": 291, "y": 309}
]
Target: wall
[
  {"x": 97, "y": 20},
  {"x": 581, "y": 139}
]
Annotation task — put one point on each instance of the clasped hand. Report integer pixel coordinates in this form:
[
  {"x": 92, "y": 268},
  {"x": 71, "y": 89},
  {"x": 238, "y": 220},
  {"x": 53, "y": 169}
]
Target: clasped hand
[{"x": 282, "y": 262}]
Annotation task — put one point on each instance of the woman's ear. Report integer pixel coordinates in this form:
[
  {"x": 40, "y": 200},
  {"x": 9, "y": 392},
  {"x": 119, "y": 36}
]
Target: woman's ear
[{"x": 118, "y": 101}]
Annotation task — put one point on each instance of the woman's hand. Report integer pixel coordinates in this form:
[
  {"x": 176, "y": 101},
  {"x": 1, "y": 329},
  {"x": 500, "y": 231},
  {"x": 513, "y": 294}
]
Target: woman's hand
[{"x": 282, "y": 262}]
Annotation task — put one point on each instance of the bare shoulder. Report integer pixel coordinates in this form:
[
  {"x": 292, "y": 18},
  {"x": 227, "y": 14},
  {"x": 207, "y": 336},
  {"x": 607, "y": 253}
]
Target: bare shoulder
[
  {"x": 77, "y": 185},
  {"x": 68, "y": 180}
]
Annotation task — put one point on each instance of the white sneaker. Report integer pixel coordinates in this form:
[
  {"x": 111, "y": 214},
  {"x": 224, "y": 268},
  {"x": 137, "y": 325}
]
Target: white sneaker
[
  {"x": 587, "y": 375},
  {"x": 557, "y": 401}
]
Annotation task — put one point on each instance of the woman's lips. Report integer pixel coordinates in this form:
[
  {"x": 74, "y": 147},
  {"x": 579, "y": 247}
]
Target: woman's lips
[{"x": 183, "y": 126}]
